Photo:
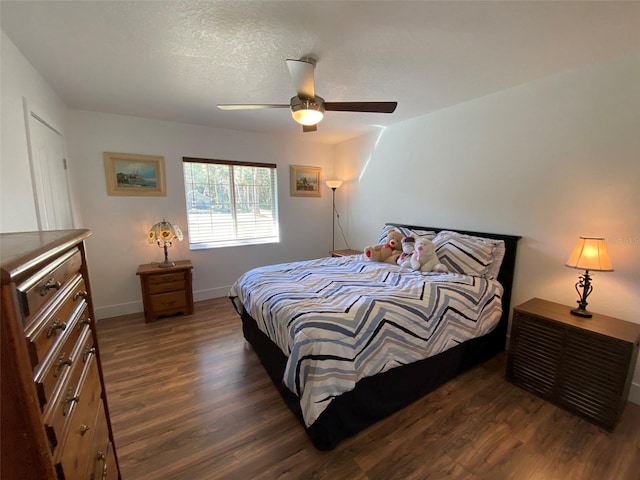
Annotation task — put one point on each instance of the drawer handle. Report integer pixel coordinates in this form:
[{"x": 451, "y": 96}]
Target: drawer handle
[
  {"x": 83, "y": 429},
  {"x": 82, "y": 293},
  {"x": 62, "y": 361},
  {"x": 87, "y": 352},
  {"x": 51, "y": 283},
  {"x": 56, "y": 325},
  {"x": 168, "y": 304},
  {"x": 84, "y": 321},
  {"x": 100, "y": 457},
  {"x": 68, "y": 401}
]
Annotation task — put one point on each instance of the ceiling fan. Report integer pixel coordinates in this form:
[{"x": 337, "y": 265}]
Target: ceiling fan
[{"x": 306, "y": 107}]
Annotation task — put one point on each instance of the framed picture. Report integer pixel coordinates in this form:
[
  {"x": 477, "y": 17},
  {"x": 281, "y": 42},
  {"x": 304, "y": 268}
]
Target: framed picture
[
  {"x": 135, "y": 175},
  {"x": 305, "y": 181}
]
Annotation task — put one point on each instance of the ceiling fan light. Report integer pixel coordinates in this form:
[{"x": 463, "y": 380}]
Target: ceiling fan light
[{"x": 307, "y": 112}]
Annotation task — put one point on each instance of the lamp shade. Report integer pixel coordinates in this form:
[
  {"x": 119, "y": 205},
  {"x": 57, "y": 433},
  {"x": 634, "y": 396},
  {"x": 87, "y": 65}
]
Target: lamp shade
[
  {"x": 590, "y": 253},
  {"x": 307, "y": 112},
  {"x": 164, "y": 233},
  {"x": 334, "y": 183}
]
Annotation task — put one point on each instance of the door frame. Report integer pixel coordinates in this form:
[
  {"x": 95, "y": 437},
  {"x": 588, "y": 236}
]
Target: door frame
[{"x": 35, "y": 112}]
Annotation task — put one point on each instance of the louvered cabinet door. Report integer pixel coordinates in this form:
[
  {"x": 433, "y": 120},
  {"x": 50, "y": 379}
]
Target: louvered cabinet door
[
  {"x": 593, "y": 376},
  {"x": 535, "y": 354},
  {"x": 582, "y": 364}
]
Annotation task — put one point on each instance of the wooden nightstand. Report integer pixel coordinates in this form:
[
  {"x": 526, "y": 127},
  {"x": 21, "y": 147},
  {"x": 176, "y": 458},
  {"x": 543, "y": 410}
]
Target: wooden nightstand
[
  {"x": 582, "y": 364},
  {"x": 344, "y": 253},
  {"x": 166, "y": 291}
]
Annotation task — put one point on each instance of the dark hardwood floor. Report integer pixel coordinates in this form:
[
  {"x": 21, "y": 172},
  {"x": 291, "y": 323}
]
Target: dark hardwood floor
[{"x": 190, "y": 401}]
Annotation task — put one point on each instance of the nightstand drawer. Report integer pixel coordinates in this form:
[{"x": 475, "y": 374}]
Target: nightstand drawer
[
  {"x": 161, "y": 279},
  {"x": 166, "y": 287},
  {"x": 168, "y": 301}
]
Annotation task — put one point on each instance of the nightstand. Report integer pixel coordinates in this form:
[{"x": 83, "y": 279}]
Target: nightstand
[
  {"x": 166, "y": 291},
  {"x": 344, "y": 253},
  {"x": 582, "y": 364}
]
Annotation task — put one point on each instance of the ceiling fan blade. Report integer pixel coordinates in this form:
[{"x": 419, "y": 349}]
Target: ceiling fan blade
[
  {"x": 368, "y": 107},
  {"x": 257, "y": 106},
  {"x": 301, "y": 72},
  {"x": 309, "y": 128}
]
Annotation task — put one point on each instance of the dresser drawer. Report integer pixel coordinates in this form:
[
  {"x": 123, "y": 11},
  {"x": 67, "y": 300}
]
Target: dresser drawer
[
  {"x": 108, "y": 470},
  {"x": 51, "y": 323},
  {"x": 75, "y": 452},
  {"x": 59, "y": 361},
  {"x": 168, "y": 301},
  {"x": 64, "y": 399},
  {"x": 99, "y": 443},
  {"x": 166, "y": 287},
  {"x": 43, "y": 285}
]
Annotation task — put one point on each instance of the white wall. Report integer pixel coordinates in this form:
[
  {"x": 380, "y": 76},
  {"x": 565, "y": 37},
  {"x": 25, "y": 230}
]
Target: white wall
[
  {"x": 550, "y": 161},
  {"x": 20, "y": 80},
  {"x": 120, "y": 224}
]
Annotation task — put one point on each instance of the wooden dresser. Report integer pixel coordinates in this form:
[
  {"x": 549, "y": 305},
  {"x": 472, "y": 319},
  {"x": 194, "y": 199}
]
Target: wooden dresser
[
  {"x": 166, "y": 291},
  {"x": 582, "y": 364},
  {"x": 55, "y": 418}
]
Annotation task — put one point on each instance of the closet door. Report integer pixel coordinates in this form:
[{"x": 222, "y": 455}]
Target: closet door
[{"x": 49, "y": 175}]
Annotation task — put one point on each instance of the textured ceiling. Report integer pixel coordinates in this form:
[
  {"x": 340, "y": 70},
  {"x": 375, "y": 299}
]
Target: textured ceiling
[{"x": 175, "y": 60}]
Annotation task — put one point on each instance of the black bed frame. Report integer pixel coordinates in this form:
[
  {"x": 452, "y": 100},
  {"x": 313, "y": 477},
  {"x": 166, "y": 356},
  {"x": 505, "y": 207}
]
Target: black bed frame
[{"x": 377, "y": 397}]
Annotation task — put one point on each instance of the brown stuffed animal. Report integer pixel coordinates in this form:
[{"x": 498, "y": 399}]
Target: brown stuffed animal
[{"x": 387, "y": 252}]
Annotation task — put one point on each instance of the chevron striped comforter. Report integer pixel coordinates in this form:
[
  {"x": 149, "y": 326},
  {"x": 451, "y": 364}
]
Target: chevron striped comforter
[{"x": 339, "y": 320}]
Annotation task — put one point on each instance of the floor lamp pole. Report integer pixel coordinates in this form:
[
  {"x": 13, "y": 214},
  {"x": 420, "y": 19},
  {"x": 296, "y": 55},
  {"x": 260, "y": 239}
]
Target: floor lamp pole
[{"x": 333, "y": 220}]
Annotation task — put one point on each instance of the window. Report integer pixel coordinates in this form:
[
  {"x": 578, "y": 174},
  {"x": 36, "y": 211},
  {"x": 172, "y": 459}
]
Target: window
[{"x": 230, "y": 203}]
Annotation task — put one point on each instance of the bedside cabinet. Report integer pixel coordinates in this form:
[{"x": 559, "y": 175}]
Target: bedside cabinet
[
  {"x": 344, "y": 253},
  {"x": 166, "y": 291},
  {"x": 582, "y": 364}
]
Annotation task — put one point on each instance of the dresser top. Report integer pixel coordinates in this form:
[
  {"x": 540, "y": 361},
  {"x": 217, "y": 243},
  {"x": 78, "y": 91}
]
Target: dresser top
[
  {"x": 602, "y": 324},
  {"x": 21, "y": 252}
]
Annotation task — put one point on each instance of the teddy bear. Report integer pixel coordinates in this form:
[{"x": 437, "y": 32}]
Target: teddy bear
[
  {"x": 424, "y": 257},
  {"x": 387, "y": 252},
  {"x": 408, "y": 247}
]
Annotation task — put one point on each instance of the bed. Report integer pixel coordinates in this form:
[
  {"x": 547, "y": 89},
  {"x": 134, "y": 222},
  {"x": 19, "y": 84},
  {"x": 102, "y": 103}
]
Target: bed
[{"x": 347, "y": 341}]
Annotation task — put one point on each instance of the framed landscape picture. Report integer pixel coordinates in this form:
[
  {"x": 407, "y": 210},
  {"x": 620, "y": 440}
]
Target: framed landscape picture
[
  {"x": 135, "y": 175},
  {"x": 305, "y": 181}
]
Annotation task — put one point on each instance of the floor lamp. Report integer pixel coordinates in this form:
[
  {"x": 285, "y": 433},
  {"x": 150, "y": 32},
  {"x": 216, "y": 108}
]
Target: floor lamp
[{"x": 333, "y": 184}]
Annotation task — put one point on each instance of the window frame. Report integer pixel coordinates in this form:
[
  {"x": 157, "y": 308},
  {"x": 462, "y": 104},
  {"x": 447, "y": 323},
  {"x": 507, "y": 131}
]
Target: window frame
[{"x": 233, "y": 205}]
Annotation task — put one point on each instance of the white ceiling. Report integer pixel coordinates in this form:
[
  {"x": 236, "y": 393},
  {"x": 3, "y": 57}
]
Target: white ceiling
[{"x": 175, "y": 60}]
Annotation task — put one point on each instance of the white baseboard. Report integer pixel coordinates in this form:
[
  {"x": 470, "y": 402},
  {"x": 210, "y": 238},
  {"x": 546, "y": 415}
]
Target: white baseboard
[
  {"x": 118, "y": 310},
  {"x": 210, "y": 293},
  {"x": 137, "y": 307},
  {"x": 634, "y": 393}
]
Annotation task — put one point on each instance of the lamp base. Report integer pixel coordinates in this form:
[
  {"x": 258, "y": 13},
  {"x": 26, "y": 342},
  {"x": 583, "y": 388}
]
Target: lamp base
[
  {"x": 581, "y": 312},
  {"x": 166, "y": 264}
]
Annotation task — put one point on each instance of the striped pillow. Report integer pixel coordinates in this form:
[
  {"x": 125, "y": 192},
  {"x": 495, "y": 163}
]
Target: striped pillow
[
  {"x": 407, "y": 232},
  {"x": 469, "y": 255}
]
